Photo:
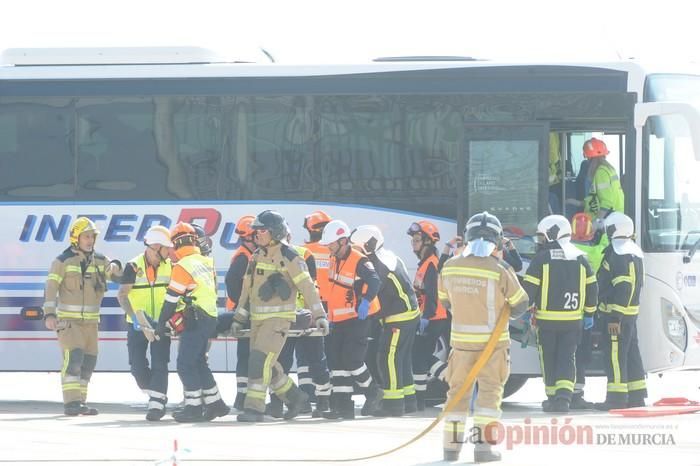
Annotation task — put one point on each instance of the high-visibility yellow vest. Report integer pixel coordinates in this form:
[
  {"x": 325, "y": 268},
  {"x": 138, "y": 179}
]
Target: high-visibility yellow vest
[
  {"x": 148, "y": 296},
  {"x": 202, "y": 271}
]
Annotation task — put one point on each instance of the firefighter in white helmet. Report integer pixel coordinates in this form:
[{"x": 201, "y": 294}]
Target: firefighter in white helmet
[
  {"x": 141, "y": 295},
  {"x": 477, "y": 287},
  {"x": 352, "y": 301},
  {"x": 399, "y": 315},
  {"x": 74, "y": 290},
  {"x": 621, "y": 277}
]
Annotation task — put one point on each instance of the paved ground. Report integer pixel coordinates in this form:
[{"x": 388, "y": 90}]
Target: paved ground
[{"x": 36, "y": 432}]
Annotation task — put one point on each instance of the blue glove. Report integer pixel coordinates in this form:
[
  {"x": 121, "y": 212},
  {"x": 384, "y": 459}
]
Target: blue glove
[
  {"x": 588, "y": 322},
  {"x": 136, "y": 325},
  {"x": 422, "y": 325},
  {"x": 363, "y": 310}
]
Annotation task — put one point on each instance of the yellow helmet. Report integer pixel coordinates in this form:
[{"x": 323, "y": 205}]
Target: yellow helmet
[{"x": 81, "y": 225}]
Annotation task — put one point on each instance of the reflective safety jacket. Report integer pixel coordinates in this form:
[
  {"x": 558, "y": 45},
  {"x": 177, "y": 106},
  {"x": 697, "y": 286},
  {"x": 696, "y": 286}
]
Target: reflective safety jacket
[
  {"x": 561, "y": 288},
  {"x": 397, "y": 300},
  {"x": 76, "y": 285},
  {"x": 234, "y": 276},
  {"x": 605, "y": 191},
  {"x": 620, "y": 279},
  {"x": 201, "y": 284},
  {"x": 148, "y": 288},
  {"x": 305, "y": 254},
  {"x": 348, "y": 286},
  {"x": 477, "y": 290},
  {"x": 425, "y": 285},
  {"x": 323, "y": 259},
  {"x": 275, "y": 274}
]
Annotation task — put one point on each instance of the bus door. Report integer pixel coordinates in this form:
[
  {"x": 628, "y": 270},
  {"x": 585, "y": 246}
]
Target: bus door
[
  {"x": 668, "y": 225},
  {"x": 505, "y": 169}
]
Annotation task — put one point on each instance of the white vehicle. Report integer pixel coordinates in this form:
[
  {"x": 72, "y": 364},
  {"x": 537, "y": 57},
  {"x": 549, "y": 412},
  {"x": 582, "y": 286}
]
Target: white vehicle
[{"x": 137, "y": 138}]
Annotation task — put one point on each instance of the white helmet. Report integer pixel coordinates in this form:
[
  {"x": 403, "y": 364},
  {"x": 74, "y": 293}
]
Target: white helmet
[
  {"x": 619, "y": 225},
  {"x": 554, "y": 228},
  {"x": 368, "y": 238},
  {"x": 333, "y": 231},
  {"x": 158, "y": 234}
]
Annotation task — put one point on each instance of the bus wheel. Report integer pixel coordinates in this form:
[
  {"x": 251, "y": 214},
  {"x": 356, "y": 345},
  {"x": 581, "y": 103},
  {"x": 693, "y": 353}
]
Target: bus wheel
[{"x": 514, "y": 383}]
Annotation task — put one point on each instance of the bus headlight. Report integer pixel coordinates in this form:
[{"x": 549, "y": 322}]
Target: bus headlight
[{"x": 674, "y": 324}]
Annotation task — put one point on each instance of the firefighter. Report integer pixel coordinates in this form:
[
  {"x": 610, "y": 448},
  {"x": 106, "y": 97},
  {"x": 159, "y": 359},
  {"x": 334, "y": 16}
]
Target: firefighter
[
  {"x": 621, "y": 277},
  {"x": 352, "y": 300},
  {"x": 75, "y": 286},
  {"x": 141, "y": 295},
  {"x": 433, "y": 321},
  {"x": 193, "y": 281},
  {"x": 603, "y": 192},
  {"x": 314, "y": 223},
  {"x": 274, "y": 275},
  {"x": 562, "y": 287},
  {"x": 477, "y": 287},
  {"x": 399, "y": 316},
  {"x": 234, "y": 283}
]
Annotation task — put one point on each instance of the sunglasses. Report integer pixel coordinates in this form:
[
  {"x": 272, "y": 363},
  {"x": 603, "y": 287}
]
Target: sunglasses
[{"x": 414, "y": 228}]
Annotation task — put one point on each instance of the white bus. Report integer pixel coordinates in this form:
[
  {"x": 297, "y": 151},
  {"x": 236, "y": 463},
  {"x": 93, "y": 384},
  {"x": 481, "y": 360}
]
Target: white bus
[{"x": 136, "y": 139}]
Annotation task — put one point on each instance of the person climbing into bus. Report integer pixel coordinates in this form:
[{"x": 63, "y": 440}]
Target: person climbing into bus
[{"x": 603, "y": 191}]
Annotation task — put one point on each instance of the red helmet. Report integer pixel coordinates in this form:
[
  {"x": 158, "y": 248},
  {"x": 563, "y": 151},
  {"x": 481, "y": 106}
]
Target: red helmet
[
  {"x": 581, "y": 227},
  {"x": 244, "y": 227},
  {"x": 595, "y": 148},
  {"x": 183, "y": 234},
  {"x": 428, "y": 229},
  {"x": 316, "y": 220}
]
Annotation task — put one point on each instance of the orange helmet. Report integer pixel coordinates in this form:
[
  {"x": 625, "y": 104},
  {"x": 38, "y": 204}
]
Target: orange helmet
[
  {"x": 244, "y": 227},
  {"x": 581, "y": 227},
  {"x": 595, "y": 148},
  {"x": 316, "y": 220},
  {"x": 183, "y": 234},
  {"x": 428, "y": 229}
]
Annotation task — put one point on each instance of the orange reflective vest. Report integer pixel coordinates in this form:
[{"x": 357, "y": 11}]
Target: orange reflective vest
[
  {"x": 323, "y": 259},
  {"x": 342, "y": 302},
  {"x": 230, "y": 305},
  {"x": 419, "y": 286}
]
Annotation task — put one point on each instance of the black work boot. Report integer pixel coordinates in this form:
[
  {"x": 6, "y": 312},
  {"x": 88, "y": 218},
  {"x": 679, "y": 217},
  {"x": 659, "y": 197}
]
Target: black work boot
[
  {"x": 85, "y": 410},
  {"x": 484, "y": 454},
  {"x": 635, "y": 402},
  {"x": 239, "y": 402},
  {"x": 72, "y": 408},
  {"x": 155, "y": 414},
  {"x": 249, "y": 415},
  {"x": 189, "y": 413},
  {"x": 558, "y": 405},
  {"x": 343, "y": 409},
  {"x": 298, "y": 400},
  {"x": 608, "y": 405},
  {"x": 373, "y": 400},
  {"x": 420, "y": 401},
  {"x": 216, "y": 409},
  {"x": 322, "y": 405},
  {"x": 275, "y": 407},
  {"x": 450, "y": 455},
  {"x": 578, "y": 403},
  {"x": 410, "y": 403}
]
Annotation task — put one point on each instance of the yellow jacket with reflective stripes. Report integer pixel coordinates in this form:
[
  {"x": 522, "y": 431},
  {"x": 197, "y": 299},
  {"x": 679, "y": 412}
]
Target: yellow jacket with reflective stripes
[
  {"x": 620, "y": 279},
  {"x": 606, "y": 189},
  {"x": 202, "y": 271},
  {"x": 76, "y": 285},
  {"x": 283, "y": 260},
  {"x": 477, "y": 290},
  {"x": 148, "y": 296}
]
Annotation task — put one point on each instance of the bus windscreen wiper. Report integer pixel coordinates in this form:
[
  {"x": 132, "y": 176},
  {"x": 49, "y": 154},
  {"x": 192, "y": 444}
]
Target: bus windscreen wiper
[{"x": 691, "y": 252}]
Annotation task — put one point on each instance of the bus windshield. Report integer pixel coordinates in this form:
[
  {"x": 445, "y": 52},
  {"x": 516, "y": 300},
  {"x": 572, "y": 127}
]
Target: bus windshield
[{"x": 672, "y": 191}]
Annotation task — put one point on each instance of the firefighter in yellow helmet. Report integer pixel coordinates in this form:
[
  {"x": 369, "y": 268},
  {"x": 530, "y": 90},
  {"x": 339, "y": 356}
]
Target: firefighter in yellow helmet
[
  {"x": 141, "y": 295},
  {"x": 477, "y": 287},
  {"x": 75, "y": 286},
  {"x": 274, "y": 276}
]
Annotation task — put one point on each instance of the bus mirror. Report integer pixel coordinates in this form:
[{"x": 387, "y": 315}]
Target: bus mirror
[
  {"x": 32, "y": 313},
  {"x": 647, "y": 110}
]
